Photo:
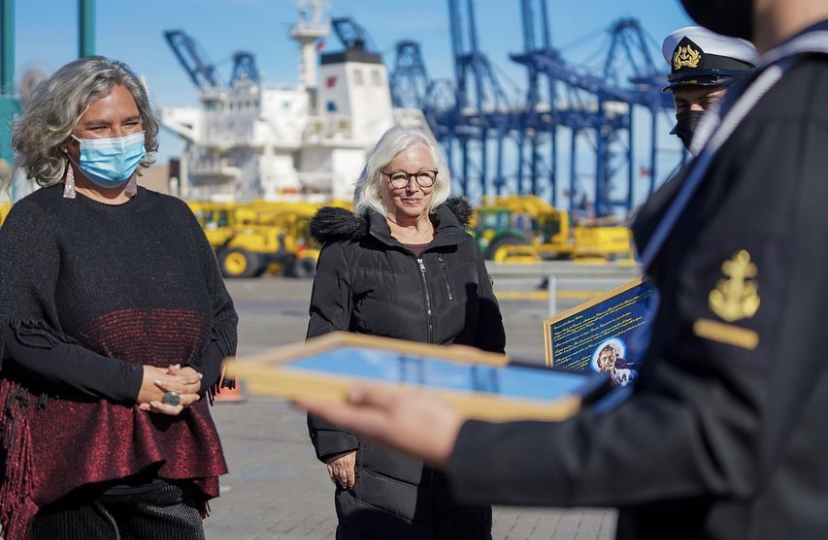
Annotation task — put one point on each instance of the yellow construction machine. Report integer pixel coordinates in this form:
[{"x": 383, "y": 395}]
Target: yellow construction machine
[
  {"x": 527, "y": 220},
  {"x": 4, "y": 211},
  {"x": 286, "y": 224},
  {"x": 257, "y": 237},
  {"x": 499, "y": 237},
  {"x": 603, "y": 239},
  {"x": 547, "y": 227}
]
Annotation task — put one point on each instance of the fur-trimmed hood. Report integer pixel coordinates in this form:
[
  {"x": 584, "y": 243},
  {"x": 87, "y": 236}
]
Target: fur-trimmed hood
[{"x": 332, "y": 223}]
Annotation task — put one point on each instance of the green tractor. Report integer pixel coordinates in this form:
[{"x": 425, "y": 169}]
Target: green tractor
[{"x": 503, "y": 236}]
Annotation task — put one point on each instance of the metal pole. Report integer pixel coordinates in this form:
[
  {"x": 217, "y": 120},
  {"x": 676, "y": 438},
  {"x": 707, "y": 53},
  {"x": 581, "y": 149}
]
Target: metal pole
[
  {"x": 86, "y": 28},
  {"x": 573, "y": 173},
  {"x": 552, "y": 286},
  {"x": 553, "y": 165},
  {"x": 9, "y": 106},
  {"x": 7, "y": 49}
]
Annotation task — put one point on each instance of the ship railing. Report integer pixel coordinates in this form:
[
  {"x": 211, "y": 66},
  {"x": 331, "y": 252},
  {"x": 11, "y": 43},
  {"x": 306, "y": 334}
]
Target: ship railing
[{"x": 214, "y": 171}]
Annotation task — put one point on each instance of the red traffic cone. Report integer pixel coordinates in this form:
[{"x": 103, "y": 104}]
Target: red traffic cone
[{"x": 229, "y": 390}]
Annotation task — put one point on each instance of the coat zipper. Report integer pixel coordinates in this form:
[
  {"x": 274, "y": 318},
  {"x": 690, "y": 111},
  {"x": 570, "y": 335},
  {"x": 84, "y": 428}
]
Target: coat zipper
[
  {"x": 430, "y": 328},
  {"x": 429, "y": 322},
  {"x": 445, "y": 273}
]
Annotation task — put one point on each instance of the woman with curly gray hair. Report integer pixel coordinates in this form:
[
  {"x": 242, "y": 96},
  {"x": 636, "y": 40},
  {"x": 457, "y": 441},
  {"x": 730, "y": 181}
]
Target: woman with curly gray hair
[
  {"x": 400, "y": 266},
  {"x": 114, "y": 322},
  {"x": 44, "y": 131}
]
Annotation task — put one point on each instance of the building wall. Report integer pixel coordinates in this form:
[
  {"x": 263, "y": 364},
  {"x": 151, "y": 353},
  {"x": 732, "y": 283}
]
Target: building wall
[{"x": 156, "y": 178}]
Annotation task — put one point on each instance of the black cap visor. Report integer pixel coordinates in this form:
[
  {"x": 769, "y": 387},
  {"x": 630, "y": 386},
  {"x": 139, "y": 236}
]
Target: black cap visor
[{"x": 704, "y": 77}]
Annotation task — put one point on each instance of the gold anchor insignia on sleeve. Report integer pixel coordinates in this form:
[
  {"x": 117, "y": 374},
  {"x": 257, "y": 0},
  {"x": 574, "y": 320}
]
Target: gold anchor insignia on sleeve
[{"x": 736, "y": 296}]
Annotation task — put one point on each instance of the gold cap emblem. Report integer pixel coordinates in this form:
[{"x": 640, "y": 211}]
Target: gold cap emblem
[
  {"x": 686, "y": 57},
  {"x": 736, "y": 296}
]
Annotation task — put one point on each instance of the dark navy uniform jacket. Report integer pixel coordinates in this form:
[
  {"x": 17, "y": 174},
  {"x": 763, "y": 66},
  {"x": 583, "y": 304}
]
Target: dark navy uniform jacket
[{"x": 726, "y": 433}]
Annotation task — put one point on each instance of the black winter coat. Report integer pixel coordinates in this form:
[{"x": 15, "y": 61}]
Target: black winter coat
[{"x": 368, "y": 282}]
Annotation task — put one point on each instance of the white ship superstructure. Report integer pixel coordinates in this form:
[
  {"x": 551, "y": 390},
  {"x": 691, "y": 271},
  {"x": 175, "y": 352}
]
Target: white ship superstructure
[{"x": 251, "y": 140}]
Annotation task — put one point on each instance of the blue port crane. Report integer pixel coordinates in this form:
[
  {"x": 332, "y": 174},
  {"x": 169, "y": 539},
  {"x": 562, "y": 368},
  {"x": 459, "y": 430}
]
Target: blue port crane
[
  {"x": 201, "y": 70},
  {"x": 596, "y": 108},
  {"x": 192, "y": 57},
  {"x": 353, "y": 36},
  {"x": 411, "y": 87},
  {"x": 538, "y": 118},
  {"x": 410, "y": 84},
  {"x": 629, "y": 49},
  {"x": 470, "y": 115},
  {"x": 244, "y": 67},
  {"x": 479, "y": 119}
]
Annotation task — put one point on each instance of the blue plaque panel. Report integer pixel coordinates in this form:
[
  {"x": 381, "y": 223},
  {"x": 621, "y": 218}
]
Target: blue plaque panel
[
  {"x": 608, "y": 334},
  {"x": 510, "y": 380},
  {"x": 480, "y": 384}
]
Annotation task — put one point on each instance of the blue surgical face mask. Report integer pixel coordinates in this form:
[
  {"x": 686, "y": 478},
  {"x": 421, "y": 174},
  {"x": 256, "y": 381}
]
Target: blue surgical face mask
[{"x": 111, "y": 162}]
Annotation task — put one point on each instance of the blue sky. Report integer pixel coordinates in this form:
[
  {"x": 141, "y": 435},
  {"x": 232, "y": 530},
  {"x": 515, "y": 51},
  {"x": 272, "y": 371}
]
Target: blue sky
[{"x": 46, "y": 35}]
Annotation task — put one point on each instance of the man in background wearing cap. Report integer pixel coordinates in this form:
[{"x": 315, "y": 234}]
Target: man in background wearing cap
[
  {"x": 724, "y": 435},
  {"x": 702, "y": 65}
]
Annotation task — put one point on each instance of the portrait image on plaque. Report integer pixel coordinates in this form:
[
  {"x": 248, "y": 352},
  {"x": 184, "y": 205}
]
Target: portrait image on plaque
[
  {"x": 479, "y": 384},
  {"x": 607, "y": 334},
  {"x": 610, "y": 357}
]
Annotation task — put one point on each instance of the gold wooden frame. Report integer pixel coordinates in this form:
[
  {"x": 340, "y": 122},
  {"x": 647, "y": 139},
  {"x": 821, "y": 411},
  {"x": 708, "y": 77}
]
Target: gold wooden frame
[
  {"x": 264, "y": 374},
  {"x": 548, "y": 323}
]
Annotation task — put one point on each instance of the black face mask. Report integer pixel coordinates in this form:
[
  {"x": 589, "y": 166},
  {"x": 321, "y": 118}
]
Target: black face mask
[
  {"x": 686, "y": 123},
  {"x": 728, "y": 17}
]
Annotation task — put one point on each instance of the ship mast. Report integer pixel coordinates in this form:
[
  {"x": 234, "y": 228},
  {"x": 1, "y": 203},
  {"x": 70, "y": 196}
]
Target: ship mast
[{"x": 309, "y": 28}]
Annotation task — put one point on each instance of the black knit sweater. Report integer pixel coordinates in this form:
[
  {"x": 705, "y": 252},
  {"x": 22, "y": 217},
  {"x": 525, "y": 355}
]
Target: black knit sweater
[{"x": 110, "y": 288}]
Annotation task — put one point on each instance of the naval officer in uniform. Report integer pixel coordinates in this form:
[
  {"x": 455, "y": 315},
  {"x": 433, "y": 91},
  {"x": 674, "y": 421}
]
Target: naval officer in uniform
[
  {"x": 724, "y": 435},
  {"x": 703, "y": 65}
]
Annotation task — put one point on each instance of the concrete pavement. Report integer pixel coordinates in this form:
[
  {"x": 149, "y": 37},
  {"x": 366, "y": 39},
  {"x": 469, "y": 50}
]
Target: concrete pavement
[{"x": 277, "y": 490}]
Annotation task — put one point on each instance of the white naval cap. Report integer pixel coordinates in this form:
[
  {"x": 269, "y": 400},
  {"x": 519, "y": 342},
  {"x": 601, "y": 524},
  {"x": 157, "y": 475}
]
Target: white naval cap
[{"x": 699, "y": 57}]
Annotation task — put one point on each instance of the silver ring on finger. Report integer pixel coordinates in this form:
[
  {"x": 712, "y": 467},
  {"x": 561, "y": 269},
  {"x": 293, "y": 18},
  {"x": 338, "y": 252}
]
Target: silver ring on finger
[{"x": 171, "y": 398}]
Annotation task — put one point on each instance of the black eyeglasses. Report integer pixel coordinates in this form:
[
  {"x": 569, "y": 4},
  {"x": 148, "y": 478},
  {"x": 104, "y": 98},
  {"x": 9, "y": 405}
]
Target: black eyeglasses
[{"x": 400, "y": 179}]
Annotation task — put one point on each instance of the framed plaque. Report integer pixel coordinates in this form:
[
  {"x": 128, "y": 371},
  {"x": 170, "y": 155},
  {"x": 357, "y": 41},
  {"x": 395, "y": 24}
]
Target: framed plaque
[
  {"x": 479, "y": 384},
  {"x": 607, "y": 334}
]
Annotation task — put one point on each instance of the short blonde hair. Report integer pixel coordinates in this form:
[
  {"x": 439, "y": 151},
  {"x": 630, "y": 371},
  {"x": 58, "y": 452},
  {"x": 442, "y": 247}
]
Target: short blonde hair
[{"x": 395, "y": 140}]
